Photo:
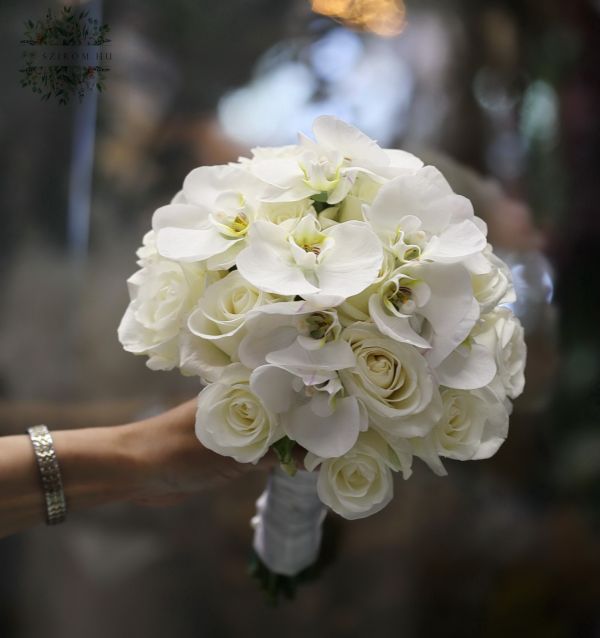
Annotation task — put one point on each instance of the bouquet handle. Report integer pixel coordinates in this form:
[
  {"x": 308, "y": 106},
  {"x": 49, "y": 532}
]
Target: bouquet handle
[{"x": 288, "y": 523}]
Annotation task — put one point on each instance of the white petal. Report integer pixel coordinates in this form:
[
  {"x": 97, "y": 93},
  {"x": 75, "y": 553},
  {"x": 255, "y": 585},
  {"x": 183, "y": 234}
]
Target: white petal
[
  {"x": 495, "y": 429},
  {"x": 343, "y": 187},
  {"x": 320, "y": 301},
  {"x": 443, "y": 343},
  {"x": 314, "y": 366},
  {"x": 202, "y": 358},
  {"x": 267, "y": 264},
  {"x": 274, "y": 387},
  {"x": 129, "y": 332},
  {"x": 204, "y": 184},
  {"x": 467, "y": 368},
  {"x": 179, "y": 198},
  {"x": 403, "y": 160},
  {"x": 397, "y": 328},
  {"x": 282, "y": 173},
  {"x": 353, "y": 144},
  {"x": 296, "y": 193},
  {"x": 327, "y": 437},
  {"x": 180, "y": 216},
  {"x": 425, "y": 448},
  {"x": 476, "y": 264},
  {"x": 226, "y": 259},
  {"x": 353, "y": 262},
  {"x": 413, "y": 425},
  {"x": 235, "y": 373},
  {"x": 184, "y": 244},
  {"x": 451, "y": 295},
  {"x": 455, "y": 242},
  {"x": 424, "y": 194},
  {"x": 286, "y": 308},
  {"x": 254, "y": 347}
]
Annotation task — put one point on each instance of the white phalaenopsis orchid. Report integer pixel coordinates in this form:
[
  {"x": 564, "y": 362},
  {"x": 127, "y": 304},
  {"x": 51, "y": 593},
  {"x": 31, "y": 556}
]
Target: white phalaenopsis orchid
[
  {"x": 303, "y": 386},
  {"x": 417, "y": 216},
  {"x": 336, "y": 296},
  {"x": 426, "y": 304},
  {"x": 324, "y": 169},
  {"x": 303, "y": 259},
  {"x": 217, "y": 207}
]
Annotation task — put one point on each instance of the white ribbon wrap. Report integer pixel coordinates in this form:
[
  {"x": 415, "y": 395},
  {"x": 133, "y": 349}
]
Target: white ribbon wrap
[{"x": 288, "y": 522}]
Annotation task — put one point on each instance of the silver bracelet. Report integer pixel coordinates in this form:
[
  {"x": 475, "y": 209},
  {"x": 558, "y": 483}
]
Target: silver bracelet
[{"x": 54, "y": 495}]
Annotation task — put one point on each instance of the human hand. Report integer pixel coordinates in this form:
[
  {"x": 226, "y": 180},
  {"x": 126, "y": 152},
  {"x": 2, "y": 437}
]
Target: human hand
[{"x": 172, "y": 463}]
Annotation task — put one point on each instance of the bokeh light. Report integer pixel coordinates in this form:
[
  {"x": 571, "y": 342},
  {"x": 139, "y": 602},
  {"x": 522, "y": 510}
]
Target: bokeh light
[{"x": 383, "y": 17}]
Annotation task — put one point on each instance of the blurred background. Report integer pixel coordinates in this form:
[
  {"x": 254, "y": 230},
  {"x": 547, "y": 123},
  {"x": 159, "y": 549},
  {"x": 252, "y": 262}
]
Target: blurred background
[{"x": 504, "y": 97}]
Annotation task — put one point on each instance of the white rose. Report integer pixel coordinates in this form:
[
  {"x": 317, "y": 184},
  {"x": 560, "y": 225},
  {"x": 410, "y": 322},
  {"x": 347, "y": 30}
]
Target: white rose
[
  {"x": 393, "y": 381},
  {"x": 232, "y": 421},
  {"x": 360, "y": 483},
  {"x": 223, "y": 309},
  {"x": 147, "y": 252},
  {"x": 162, "y": 294},
  {"x": 502, "y": 334},
  {"x": 494, "y": 287},
  {"x": 474, "y": 424}
]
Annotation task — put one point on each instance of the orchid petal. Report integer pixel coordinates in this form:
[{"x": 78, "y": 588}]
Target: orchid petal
[
  {"x": 336, "y": 355},
  {"x": 424, "y": 194},
  {"x": 397, "y": 328},
  {"x": 329, "y": 436},
  {"x": 467, "y": 368},
  {"x": 353, "y": 262},
  {"x": 443, "y": 343},
  {"x": 336, "y": 135},
  {"x": 267, "y": 264},
  {"x": 254, "y": 348},
  {"x": 451, "y": 295},
  {"x": 184, "y": 244},
  {"x": 180, "y": 216},
  {"x": 274, "y": 386},
  {"x": 455, "y": 242}
]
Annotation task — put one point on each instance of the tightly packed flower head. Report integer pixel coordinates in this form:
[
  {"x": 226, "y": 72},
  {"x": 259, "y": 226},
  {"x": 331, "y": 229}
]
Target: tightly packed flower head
[{"x": 338, "y": 294}]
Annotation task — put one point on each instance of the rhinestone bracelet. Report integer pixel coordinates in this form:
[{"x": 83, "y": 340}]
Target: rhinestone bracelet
[{"x": 54, "y": 495}]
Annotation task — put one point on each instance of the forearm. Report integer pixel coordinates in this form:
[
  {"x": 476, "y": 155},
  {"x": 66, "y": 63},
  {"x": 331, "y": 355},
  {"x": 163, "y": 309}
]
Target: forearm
[
  {"x": 155, "y": 461},
  {"x": 98, "y": 466}
]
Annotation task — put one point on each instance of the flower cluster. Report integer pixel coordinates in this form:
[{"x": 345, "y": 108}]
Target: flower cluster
[{"x": 337, "y": 294}]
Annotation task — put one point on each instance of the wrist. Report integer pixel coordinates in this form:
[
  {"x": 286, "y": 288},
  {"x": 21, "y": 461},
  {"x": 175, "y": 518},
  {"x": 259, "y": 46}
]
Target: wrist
[
  {"x": 150, "y": 453},
  {"x": 98, "y": 465}
]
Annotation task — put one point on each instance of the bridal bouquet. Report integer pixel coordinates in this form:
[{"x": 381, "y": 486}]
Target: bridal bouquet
[{"x": 335, "y": 296}]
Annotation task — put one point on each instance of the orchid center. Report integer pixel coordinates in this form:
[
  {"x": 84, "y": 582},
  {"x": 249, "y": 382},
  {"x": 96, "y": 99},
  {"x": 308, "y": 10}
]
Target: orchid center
[
  {"x": 308, "y": 242},
  {"x": 234, "y": 225},
  {"x": 321, "y": 325},
  {"x": 399, "y": 297},
  {"x": 319, "y": 176},
  {"x": 409, "y": 242},
  {"x": 414, "y": 252}
]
